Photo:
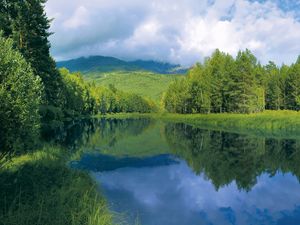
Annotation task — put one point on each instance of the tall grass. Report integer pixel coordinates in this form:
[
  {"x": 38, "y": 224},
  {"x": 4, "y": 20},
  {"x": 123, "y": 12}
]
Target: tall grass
[{"x": 40, "y": 189}]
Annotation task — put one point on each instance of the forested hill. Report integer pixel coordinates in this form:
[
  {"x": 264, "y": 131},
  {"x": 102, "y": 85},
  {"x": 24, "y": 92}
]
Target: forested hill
[{"x": 108, "y": 64}]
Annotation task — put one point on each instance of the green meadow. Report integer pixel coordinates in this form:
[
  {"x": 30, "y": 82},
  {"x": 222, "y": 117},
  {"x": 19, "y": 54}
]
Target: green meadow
[{"x": 143, "y": 83}]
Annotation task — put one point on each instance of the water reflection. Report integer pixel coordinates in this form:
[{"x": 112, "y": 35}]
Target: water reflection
[
  {"x": 176, "y": 195},
  {"x": 226, "y": 157},
  {"x": 94, "y": 132},
  {"x": 178, "y": 174},
  {"x": 101, "y": 163}
]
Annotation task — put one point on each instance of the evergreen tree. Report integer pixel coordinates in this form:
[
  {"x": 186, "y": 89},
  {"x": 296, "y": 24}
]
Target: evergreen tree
[
  {"x": 244, "y": 88},
  {"x": 7, "y": 12},
  {"x": 228, "y": 82},
  {"x": 26, "y": 22},
  {"x": 293, "y": 87},
  {"x": 215, "y": 73},
  {"x": 274, "y": 95},
  {"x": 283, "y": 83}
]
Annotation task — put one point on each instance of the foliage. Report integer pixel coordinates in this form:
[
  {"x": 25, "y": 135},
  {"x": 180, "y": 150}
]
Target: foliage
[
  {"x": 241, "y": 85},
  {"x": 83, "y": 98},
  {"x": 78, "y": 97},
  {"x": 292, "y": 88},
  {"x": 27, "y": 24},
  {"x": 20, "y": 96}
]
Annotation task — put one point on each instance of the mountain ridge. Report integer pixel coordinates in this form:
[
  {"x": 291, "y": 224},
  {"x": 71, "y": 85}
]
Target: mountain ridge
[{"x": 104, "y": 64}]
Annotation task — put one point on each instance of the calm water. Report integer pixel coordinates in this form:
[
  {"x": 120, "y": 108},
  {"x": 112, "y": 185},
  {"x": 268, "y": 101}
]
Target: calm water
[{"x": 159, "y": 174}]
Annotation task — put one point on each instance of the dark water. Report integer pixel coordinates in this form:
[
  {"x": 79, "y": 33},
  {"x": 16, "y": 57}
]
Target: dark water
[{"x": 159, "y": 174}]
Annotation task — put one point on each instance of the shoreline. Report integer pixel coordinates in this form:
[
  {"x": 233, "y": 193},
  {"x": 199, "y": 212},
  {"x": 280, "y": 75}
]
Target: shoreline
[
  {"x": 40, "y": 186},
  {"x": 273, "y": 124}
]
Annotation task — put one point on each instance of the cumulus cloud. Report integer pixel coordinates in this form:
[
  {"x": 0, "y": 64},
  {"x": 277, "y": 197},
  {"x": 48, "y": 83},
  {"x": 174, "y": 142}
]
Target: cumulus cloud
[{"x": 183, "y": 31}]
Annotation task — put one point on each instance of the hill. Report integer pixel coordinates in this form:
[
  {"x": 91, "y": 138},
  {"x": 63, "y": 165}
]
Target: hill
[
  {"x": 102, "y": 64},
  {"x": 146, "y": 84}
]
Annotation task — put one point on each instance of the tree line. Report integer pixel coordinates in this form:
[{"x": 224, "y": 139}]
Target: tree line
[
  {"x": 237, "y": 85},
  {"x": 33, "y": 91}
]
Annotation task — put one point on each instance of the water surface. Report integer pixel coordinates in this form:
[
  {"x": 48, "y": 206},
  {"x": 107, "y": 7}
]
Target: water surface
[{"x": 163, "y": 173}]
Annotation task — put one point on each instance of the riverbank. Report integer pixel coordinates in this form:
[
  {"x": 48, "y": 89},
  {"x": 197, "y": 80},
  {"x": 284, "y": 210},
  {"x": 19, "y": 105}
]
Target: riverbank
[
  {"x": 39, "y": 188},
  {"x": 269, "y": 123}
]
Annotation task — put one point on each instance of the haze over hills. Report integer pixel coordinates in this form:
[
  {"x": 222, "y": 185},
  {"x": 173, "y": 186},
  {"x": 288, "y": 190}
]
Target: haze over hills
[{"x": 100, "y": 64}]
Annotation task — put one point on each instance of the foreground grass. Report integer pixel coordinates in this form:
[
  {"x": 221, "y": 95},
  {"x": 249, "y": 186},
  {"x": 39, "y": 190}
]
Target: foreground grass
[
  {"x": 39, "y": 188},
  {"x": 268, "y": 123}
]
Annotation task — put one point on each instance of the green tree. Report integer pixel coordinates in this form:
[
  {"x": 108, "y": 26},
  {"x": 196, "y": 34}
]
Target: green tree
[
  {"x": 27, "y": 24},
  {"x": 244, "y": 88},
  {"x": 274, "y": 91},
  {"x": 20, "y": 96},
  {"x": 293, "y": 87},
  {"x": 177, "y": 97},
  {"x": 215, "y": 72},
  {"x": 199, "y": 90}
]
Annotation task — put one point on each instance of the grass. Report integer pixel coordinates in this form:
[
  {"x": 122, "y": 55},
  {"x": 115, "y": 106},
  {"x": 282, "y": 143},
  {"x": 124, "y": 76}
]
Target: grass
[
  {"x": 143, "y": 83},
  {"x": 269, "y": 123},
  {"x": 39, "y": 188}
]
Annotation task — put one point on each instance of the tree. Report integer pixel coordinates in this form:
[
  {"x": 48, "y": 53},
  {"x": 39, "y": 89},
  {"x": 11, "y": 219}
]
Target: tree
[
  {"x": 199, "y": 90},
  {"x": 103, "y": 107},
  {"x": 222, "y": 84},
  {"x": 20, "y": 96},
  {"x": 177, "y": 97},
  {"x": 293, "y": 87},
  {"x": 215, "y": 72},
  {"x": 27, "y": 24},
  {"x": 274, "y": 91},
  {"x": 244, "y": 92}
]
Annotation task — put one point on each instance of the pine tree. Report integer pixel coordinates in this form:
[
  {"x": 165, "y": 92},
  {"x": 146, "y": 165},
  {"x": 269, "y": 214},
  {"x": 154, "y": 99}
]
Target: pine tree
[
  {"x": 215, "y": 72},
  {"x": 244, "y": 88},
  {"x": 274, "y": 95},
  {"x": 8, "y": 12},
  {"x": 27, "y": 24},
  {"x": 293, "y": 87},
  {"x": 31, "y": 33}
]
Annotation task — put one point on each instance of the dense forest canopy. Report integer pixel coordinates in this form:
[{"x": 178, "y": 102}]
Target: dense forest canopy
[{"x": 240, "y": 85}]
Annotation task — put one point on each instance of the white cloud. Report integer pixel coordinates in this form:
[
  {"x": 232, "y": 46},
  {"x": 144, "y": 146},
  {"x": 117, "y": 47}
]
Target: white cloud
[
  {"x": 78, "y": 19},
  {"x": 182, "y": 31}
]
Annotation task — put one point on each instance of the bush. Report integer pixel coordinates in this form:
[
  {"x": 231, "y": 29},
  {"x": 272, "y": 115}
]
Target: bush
[{"x": 20, "y": 98}]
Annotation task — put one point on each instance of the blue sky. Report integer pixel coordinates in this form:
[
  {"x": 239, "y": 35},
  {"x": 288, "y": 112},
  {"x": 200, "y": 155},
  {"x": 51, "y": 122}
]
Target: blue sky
[{"x": 181, "y": 31}]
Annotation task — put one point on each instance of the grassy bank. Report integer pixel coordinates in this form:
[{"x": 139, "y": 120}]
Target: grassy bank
[
  {"x": 39, "y": 188},
  {"x": 268, "y": 123}
]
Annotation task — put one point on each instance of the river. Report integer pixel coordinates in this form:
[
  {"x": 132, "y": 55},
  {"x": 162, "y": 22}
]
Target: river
[{"x": 156, "y": 173}]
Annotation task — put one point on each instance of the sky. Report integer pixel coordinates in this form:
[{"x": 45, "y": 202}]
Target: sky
[{"x": 176, "y": 31}]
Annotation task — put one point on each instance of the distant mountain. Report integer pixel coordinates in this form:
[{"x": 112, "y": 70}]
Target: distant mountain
[{"x": 107, "y": 64}]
